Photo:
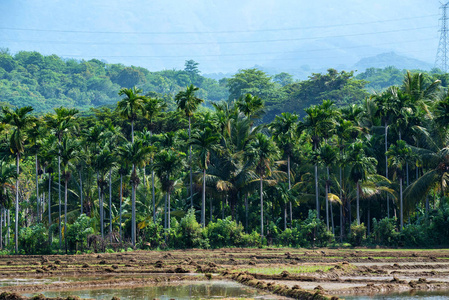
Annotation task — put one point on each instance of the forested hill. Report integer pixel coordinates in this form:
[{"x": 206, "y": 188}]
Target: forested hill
[{"x": 47, "y": 82}]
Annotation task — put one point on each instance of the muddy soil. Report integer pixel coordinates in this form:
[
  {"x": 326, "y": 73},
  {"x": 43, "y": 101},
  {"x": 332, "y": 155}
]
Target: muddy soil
[{"x": 346, "y": 271}]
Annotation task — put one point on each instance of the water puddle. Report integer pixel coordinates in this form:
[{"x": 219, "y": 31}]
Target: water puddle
[{"x": 181, "y": 290}]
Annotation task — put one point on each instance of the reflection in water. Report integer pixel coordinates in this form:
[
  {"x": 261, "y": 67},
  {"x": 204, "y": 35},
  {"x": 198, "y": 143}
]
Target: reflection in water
[
  {"x": 439, "y": 295},
  {"x": 181, "y": 290}
]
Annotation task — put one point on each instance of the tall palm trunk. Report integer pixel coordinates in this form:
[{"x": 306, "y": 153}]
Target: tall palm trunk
[
  {"x": 49, "y": 207},
  {"x": 100, "y": 204},
  {"x": 401, "y": 203},
  {"x": 327, "y": 198},
  {"x": 81, "y": 189},
  {"x": 110, "y": 203},
  {"x": 37, "y": 189},
  {"x": 246, "y": 212},
  {"x": 203, "y": 201},
  {"x": 358, "y": 202},
  {"x": 133, "y": 216},
  {"x": 65, "y": 210},
  {"x": 153, "y": 194},
  {"x": 168, "y": 210},
  {"x": 1, "y": 228},
  {"x": 316, "y": 193},
  {"x": 16, "y": 237},
  {"x": 289, "y": 188},
  {"x": 261, "y": 207},
  {"x": 121, "y": 200},
  {"x": 59, "y": 194},
  {"x": 190, "y": 166},
  {"x": 386, "y": 166},
  {"x": 165, "y": 212}
]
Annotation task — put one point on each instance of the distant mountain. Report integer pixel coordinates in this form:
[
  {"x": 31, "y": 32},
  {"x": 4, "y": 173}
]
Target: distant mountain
[{"x": 391, "y": 59}]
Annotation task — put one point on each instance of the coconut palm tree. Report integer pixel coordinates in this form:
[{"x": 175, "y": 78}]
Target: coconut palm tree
[
  {"x": 168, "y": 164},
  {"x": 61, "y": 123},
  {"x": 131, "y": 106},
  {"x": 263, "y": 152},
  {"x": 69, "y": 153},
  {"x": 284, "y": 132},
  {"x": 20, "y": 120},
  {"x": 361, "y": 167},
  {"x": 319, "y": 123},
  {"x": 251, "y": 106},
  {"x": 188, "y": 103},
  {"x": 137, "y": 155},
  {"x": 7, "y": 176},
  {"x": 204, "y": 142}
]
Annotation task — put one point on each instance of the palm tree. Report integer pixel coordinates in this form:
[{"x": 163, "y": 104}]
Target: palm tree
[
  {"x": 61, "y": 123},
  {"x": 130, "y": 106},
  {"x": 167, "y": 165},
  {"x": 319, "y": 123},
  {"x": 284, "y": 128},
  {"x": 251, "y": 106},
  {"x": 205, "y": 142},
  {"x": 7, "y": 175},
  {"x": 20, "y": 119},
  {"x": 134, "y": 154},
  {"x": 263, "y": 152},
  {"x": 327, "y": 156},
  {"x": 188, "y": 102},
  {"x": 68, "y": 151},
  {"x": 361, "y": 167}
]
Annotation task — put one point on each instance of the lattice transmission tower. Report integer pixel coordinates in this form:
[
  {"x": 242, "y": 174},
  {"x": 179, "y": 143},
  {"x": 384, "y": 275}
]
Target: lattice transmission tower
[{"x": 442, "y": 59}]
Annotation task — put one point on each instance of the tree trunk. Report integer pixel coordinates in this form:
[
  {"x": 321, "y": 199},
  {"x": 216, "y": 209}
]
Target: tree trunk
[
  {"x": 16, "y": 236},
  {"x": 289, "y": 188},
  {"x": 1, "y": 228},
  {"x": 110, "y": 204},
  {"x": 37, "y": 189},
  {"x": 401, "y": 203},
  {"x": 386, "y": 166},
  {"x": 81, "y": 189},
  {"x": 165, "y": 212},
  {"x": 327, "y": 198},
  {"x": 100, "y": 204},
  {"x": 341, "y": 205},
  {"x": 358, "y": 203},
  {"x": 203, "y": 201},
  {"x": 168, "y": 210},
  {"x": 246, "y": 213},
  {"x": 59, "y": 195},
  {"x": 65, "y": 212},
  {"x": 153, "y": 194},
  {"x": 121, "y": 200},
  {"x": 133, "y": 216},
  {"x": 190, "y": 166},
  {"x": 261, "y": 207},
  {"x": 316, "y": 193},
  {"x": 49, "y": 207},
  {"x": 332, "y": 218}
]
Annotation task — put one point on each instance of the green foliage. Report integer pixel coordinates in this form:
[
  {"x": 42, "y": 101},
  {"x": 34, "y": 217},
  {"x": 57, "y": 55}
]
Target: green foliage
[
  {"x": 150, "y": 235},
  {"x": 385, "y": 232},
  {"x": 77, "y": 232},
  {"x": 34, "y": 240},
  {"x": 188, "y": 233},
  {"x": 358, "y": 234},
  {"x": 225, "y": 233}
]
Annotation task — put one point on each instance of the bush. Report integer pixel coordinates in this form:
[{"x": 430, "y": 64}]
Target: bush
[
  {"x": 34, "y": 240},
  {"x": 225, "y": 233},
  {"x": 415, "y": 235},
  {"x": 358, "y": 234},
  {"x": 385, "y": 232},
  {"x": 77, "y": 233},
  {"x": 188, "y": 233},
  {"x": 151, "y": 235}
]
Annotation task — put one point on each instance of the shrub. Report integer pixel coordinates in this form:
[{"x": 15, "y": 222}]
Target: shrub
[
  {"x": 34, "y": 239},
  {"x": 225, "y": 233},
  {"x": 77, "y": 233},
  {"x": 188, "y": 233},
  {"x": 385, "y": 232},
  {"x": 151, "y": 235},
  {"x": 358, "y": 234},
  {"x": 415, "y": 235}
]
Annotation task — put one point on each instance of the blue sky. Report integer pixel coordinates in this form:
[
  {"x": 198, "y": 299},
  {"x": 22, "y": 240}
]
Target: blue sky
[{"x": 222, "y": 36}]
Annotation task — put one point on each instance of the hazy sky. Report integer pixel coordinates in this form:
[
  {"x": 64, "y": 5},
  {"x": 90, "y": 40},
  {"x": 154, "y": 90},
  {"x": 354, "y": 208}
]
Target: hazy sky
[{"x": 222, "y": 35}]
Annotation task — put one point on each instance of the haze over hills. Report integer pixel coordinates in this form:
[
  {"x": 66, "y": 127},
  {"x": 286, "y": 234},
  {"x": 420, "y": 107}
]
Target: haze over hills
[{"x": 223, "y": 36}]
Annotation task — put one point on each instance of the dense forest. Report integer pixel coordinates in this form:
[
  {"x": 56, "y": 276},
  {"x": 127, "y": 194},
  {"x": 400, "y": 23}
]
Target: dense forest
[{"x": 330, "y": 164}]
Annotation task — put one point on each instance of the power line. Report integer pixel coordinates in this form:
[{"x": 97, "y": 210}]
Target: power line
[
  {"x": 214, "y": 43},
  {"x": 212, "y": 32}
]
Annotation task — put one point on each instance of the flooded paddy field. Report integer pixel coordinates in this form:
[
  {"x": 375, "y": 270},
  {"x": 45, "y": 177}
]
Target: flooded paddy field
[{"x": 267, "y": 273}]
